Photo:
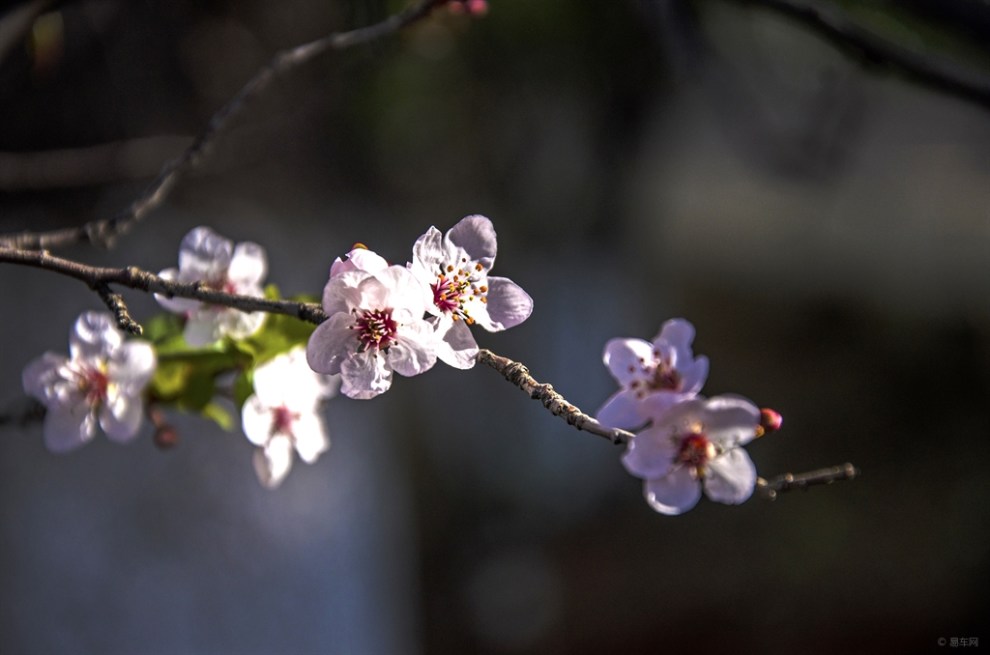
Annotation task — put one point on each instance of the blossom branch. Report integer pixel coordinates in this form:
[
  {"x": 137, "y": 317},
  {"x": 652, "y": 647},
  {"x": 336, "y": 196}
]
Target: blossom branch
[
  {"x": 790, "y": 481},
  {"x": 518, "y": 374},
  {"x": 837, "y": 28},
  {"x": 100, "y": 278},
  {"x": 105, "y": 231}
]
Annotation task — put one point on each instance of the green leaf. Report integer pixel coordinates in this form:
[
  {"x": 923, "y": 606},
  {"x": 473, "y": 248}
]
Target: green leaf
[{"x": 219, "y": 415}]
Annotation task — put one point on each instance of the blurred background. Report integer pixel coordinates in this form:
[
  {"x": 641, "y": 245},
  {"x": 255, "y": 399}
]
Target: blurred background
[{"x": 824, "y": 224}]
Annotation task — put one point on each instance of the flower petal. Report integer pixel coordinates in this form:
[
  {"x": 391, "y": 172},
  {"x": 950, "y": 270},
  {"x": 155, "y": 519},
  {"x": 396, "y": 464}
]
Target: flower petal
[
  {"x": 620, "y": 411},
  {"x": 330, "y": 343},
  {"x": 731, "y": 477},
  {"x": 428, "y": 253},
  {"x": 651, "y": 454},
  {"x": 364, "y": 375},
  {"x": 730, "y": 420},
  {"x": 68, "y": 427},
  {"x": 248, "y": 265},
  {"x": 476, "y": 235},
  {"x": 358, "y": 259},
  {"x": 415, "y": 350},
  {"x": 693, "y": 375},
  {"x": 94, "y": 336},
  {"x": 202, "y": 329},
  {"x": 41, "y": 375},
  {"x": 674, "y": 493},
  {"x": 256, "y": 420},
  {"x": 237, "y": 324},
  {"x": 458, "y": 347},
  {"x": 132, "y": 365},
  {"x": 204, "y": 255},
  {"x": 120, "y": 417},
  {"x": 678, "y": 333},
  {"x": 310, "y": 435},
  {"x": 508, "y": 305},
  {"x": 625, "y": 358},
  {"x": 273, "y": 462}
]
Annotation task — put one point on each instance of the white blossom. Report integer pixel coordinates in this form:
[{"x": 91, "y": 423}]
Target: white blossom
[
  {"x": 653, "y": 376},
  {"x": 692, "y": 445},
  {"x": 284, "y": 414},
  {"x": 100, "y": 382},
  {"x": 455, "y": 266},
  {"x": 207, "y": 257},
  {"x": 375, "y": 326}
]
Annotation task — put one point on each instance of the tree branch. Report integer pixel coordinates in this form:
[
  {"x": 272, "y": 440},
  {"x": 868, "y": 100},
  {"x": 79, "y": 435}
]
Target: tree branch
[
  {"x": 789, "y": 481},
  {"x": 104, "y": 232},
  {"x": 835, "y": 27},
  {"x": 99, "y": 279}
]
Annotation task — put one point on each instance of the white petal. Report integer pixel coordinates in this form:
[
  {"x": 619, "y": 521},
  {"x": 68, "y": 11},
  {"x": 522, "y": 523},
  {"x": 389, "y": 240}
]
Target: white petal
[
  {"x": 40, "y": 376},
  {"x": 204, "y": 255},
  {"x": 693, "y": 375},
  {"x": 248, "y": 265},
  {"x": 237, "y": 324},
  {"x": 650, "y": 455},
  {"x": 476, "y": 235},
  {"x": 94, "y": 336},
  {"x": 358, "y": 259},
  {"x": 256, "y": 420},
  {"x": 730, "y": 420},
  {"x": 731, "y": 477},
  {"x": 678, "y": 333},
  {"x": 403, "y": 290},
  {"x": 341, "y": 293},
  {"x": 428, "y": 252},
  {"x": 120, "y": 417},
  {"x": 625, "y": 359},
  {"x": 288, "y": 380},
  {"x": 415, "y": 351},
  {"x": 132, "y": 365},
  {"x": 674, "y": 493},
  {"x": 202, "y": 328},
  {"x": 68, "y": 427},
  {"x": 364, "y": 375},
  {"x": 508, "y": 305},
  {"x": 330, "y": 343},
  {"x": 273, "y": 462},
  {"x": 176, "y": 305},
  {"x": 458, "y": 347},
  {"x": 620, "y": 411},
  {"x": 310, "y": 435},
  {"x": 654, "y": 406}
]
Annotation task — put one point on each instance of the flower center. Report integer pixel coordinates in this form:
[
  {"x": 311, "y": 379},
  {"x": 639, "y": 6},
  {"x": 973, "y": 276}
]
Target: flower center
[
  {"x": 696, "y": 451},
  {"x": 94, "y": 383},
  {"x": 375, "y": 329},
  {"x": 282, "y": 420},
  {"x": 455, "y": 288}
]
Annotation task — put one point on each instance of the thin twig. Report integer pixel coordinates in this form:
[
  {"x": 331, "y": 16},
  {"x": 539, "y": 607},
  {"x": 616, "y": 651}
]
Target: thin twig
[
  {"x": 99, "y": 279},
  {"x": 518, "y": 374},
  {"x": 104, "y": 232},
  {"x": 790, "y": 481},
  {"x": 837, "y": 28}
]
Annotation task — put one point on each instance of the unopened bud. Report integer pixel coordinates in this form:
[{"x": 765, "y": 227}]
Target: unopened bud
[{"x": 770, "y": 421}]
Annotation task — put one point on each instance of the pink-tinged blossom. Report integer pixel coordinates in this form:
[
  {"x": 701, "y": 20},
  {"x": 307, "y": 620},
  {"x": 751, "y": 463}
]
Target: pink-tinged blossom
[
  {"x": 693, "y": 445},
  {"x": 455, "y": 265},
  {"x": 101, "y": 382},
  {"x": 207, "y": 257},
  {"x": 283, "y": 415},
  {"x": 375, "y": 327},
  {"x": 653, "y": 376},
  {"x": 358, "y": 259}
]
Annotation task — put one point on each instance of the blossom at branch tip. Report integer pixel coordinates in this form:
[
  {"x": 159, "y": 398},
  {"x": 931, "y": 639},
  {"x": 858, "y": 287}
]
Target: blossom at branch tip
[
  {"x": 101, "y": 382},
  {"x": 375, "y": 327},
  {"x": 207, "y": 257},
  {"x": 693, "y": 445},
  {"x": 653, "y": 376},
  {"x": 455, "y": 265},
  {"x": 283, "y": 415}
]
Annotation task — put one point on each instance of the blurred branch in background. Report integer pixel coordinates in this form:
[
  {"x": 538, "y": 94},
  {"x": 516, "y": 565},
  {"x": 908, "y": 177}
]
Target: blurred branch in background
[
  {"x": 852, "y": 37},
  {"x": 99, "y": 164},
  {"x": 104, "y": 232}
]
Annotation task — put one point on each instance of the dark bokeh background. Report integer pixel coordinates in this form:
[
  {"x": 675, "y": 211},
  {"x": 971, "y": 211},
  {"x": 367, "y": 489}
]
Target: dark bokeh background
[{"x": 825, "y": 226}]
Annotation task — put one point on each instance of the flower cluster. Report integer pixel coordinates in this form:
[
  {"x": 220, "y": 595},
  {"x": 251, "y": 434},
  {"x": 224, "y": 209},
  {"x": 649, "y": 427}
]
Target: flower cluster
[
  {"x": 386, "y": 318},
  {"x": 685, "y": 442},
  {"x": 101, "y": 381}
]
